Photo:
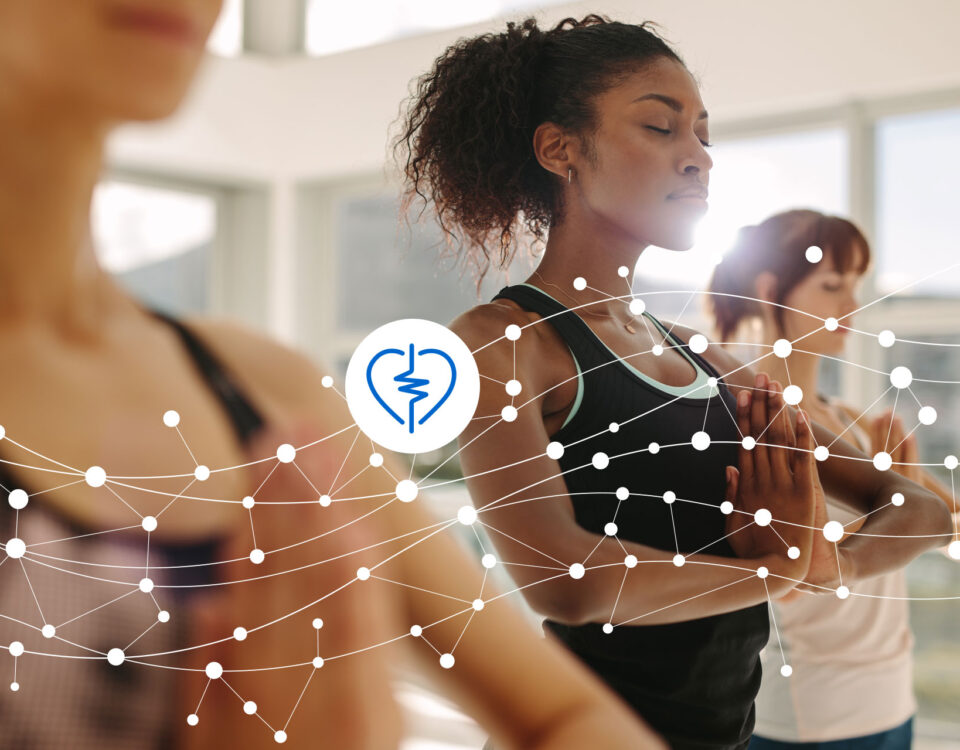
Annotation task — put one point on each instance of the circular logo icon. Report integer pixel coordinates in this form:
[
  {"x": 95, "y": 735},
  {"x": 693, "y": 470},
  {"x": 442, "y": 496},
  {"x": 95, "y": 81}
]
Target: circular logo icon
[{"x": 412, "y": 385}]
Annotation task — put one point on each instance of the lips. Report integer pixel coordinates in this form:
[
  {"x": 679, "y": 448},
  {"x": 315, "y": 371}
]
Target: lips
[
  {"x": 696, "y": 192},
  {"x": 160, "y": 23}
]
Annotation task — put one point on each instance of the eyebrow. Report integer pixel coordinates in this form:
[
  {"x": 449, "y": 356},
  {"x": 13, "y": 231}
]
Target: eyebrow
[{"x": 669, "y": 101}]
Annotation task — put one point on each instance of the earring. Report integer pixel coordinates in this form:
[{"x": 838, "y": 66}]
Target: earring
[{"x": 569, "y": 175}]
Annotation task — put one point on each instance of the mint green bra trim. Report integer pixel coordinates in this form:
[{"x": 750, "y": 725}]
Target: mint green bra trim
[{"x": 692, "y": 390}]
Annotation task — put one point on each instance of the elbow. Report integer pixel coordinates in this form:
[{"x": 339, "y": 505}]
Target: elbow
[{"x": 561, "y": 604}]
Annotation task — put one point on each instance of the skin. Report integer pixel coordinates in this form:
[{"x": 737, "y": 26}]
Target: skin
[
  {"x": 94, "y": 372},
  {"x": 616, "y": 204}
]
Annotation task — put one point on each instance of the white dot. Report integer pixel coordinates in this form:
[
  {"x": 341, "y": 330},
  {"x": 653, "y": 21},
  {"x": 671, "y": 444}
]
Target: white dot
[
  {"x": 416, "y": 631},
  {"x": 163, "y": 616},
  {"x": 749, "y": 443},
  {"x": 513, "y": 387},
  {"x": 886, "y": 339},
  {"x": 699, "y": 343},
  {"x": 726, "y": 507},
  {"x": 712, "y": 384},
  {"x": 793, "y": 552},
  {"x": 669, "y": 497},
  {"x": 613, "y": 427},
  {"x": 326, "y": 381},
  {"x": 654, "y": 448},
  {"x": 376, "y": 459},
  {"x": 239, "y": 634},
  {"x": 317, "y": 662},
  {"x": 48, "y": 631},
  {"x": 488, "y": 561},
  {"x": 202, "y": 473},
  {"x": 577, "y": 570},
  {"x": 317, "y": 623},
  {"x": 679, "y": 560},
  {"x": 193, "y": 720},
  {"x": 882, "y": 461},
  {"x": 782, "y": 348},
  {"x": 786, "y": 670},
  {"x": 171, "y": 418},
  {"x": 657, "y": 350},
  {"x": 953, "y": 549},
  {"x": 622, "y": 493},
  {"x": 842, "y": 592},
  {"x": 146, "y": 585},
  {"x": 630, "y": 561},
  {"x": 623, "y": 272},
  {"x": 554, "y": 450},
  {"x": 833, "y": 531},
  {"x": 512, "y": 332},
  {"x": 16, "y": 548},
  {"x": 927, "y": 415},
  {"x": 16, "y": 649},
  {"x": 762, "y": 571},
  {"x": 600, "y": 460},
  {"x": 363, "y": 574},
  {"x": 324, "y": 500},
  {"x": 115, "y": 657},
  {"x": 256, "y": 556},
  {"x": 821, "y": 453},
  {"x": 901, "y": 377},
  {"x": 508, "y": 413},
  {"x": 17, "y": 499},
  {"x": 637, "y": 306},
  {"x": 149, "y": 523},
  {"x": 467, "y": 515},
  {"x": 14, "y": 686},
  {"x": 477, "y": 604},
  {"x": 279, "y": 736},
  {"x": 286, "y": 453},
  {"x": 446, "y": 661},
  {"x": 951, "y": 462},
  {"x": 897, "y": 498},
  {"x": 249, "y": 708},
  {"x": 3, "y": 432},
  {"x": 579, "y": 283},
  {"x": 700, "y": 440},
  {"x": 831, "y": 324},
  {"x": 814, "y": 254},
  {"x": 610, "y": 529},
  {"x": 607, "y": 628},
  {"x": 95, "y": 476},
  {"x": 248, "y": 502},
  {"x": 793, "y": 394},
  {"x": 214, "y": 670},
  {"x": 763, "y": 517},
  {"x": 407, "y": 490}
]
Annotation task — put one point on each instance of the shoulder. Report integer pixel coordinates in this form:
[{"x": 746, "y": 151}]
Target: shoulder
[{"x": 734, "y": 372}]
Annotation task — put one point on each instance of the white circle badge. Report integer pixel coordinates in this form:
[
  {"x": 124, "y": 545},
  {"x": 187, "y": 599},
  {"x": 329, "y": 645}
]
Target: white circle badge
[{"x": 412, "y": 385}]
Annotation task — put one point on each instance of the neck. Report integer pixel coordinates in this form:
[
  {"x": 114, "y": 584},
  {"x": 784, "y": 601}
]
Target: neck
[
  {"x": 597, "y": 256},
  {"x": 51, "y": 163}
]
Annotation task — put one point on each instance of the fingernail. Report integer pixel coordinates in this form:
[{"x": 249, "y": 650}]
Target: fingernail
[{"x": 744, "y": 398}]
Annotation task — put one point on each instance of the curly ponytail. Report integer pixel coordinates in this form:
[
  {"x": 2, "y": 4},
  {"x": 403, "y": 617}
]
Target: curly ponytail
[{"x": 466, "y": 145}]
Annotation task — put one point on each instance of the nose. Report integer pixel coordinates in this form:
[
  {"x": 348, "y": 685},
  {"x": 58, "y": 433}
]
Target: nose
[{"x": 697, "y": 162}]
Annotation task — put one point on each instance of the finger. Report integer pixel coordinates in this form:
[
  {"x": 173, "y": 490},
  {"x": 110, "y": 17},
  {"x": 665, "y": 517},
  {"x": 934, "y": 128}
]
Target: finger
[
  {"x": 778, "y": 435},
  {"x": 744, "y": 456},
  {"x": 759, "y": 420},
  {"x": 806, "y": 475}
]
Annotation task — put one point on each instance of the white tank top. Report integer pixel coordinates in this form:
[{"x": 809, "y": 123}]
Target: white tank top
[{"x": 852, "y": 659}]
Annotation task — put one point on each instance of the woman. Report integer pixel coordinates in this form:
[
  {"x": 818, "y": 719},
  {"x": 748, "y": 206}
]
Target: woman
[
  {"x": 849, "y": 663},
  {"x": 101, "y": 563},
  {"x": 606, "y": 440}
]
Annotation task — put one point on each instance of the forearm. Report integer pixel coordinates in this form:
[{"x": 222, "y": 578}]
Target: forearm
[{"x": 604, "y": 725}]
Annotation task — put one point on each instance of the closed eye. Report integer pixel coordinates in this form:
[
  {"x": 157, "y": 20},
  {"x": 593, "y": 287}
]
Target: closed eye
[{"x": 664, "y": 131}]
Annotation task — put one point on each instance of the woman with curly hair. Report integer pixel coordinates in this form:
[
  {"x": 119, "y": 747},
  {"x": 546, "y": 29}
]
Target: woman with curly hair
[{"x": 610, "y": 487}]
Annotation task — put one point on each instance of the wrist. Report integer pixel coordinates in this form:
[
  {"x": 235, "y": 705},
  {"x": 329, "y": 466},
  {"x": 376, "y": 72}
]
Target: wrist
[{"x": 847, "y": 560}]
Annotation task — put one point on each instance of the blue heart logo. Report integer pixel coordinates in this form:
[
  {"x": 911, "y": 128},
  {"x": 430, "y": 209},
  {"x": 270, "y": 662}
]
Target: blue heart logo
[{"x": 411, "y": 385}]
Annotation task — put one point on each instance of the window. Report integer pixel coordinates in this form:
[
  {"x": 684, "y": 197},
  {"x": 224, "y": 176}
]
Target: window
[
  {"x": 917, "y": 220},
  {"x": 158, "y": 241},
  {"x": 226, "y": 39}
]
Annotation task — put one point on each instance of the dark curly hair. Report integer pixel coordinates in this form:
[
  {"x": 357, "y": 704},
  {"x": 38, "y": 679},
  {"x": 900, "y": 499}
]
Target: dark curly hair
[
  {"x": 466, "y": 144},
  {"x": 779, "y": 245}
]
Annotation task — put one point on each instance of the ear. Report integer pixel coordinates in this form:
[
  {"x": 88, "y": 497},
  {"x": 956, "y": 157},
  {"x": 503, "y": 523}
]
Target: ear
[
  {"x": 555, "y": 149},
  {"x": 765, "y": 286}
]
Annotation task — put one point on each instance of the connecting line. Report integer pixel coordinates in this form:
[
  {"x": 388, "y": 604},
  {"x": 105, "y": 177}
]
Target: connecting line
[
  {"x": 195, "y": 462},
  {"x": 862, "y": 415},
  {"x": 253, "y": 534},
  {"x": 775, "y": 418},
  {"x": 344, "y": 462},
  {"x": 725, "y": 536},
  {"x": 203, "y": 695},
  {"x": 111, "y": 490},
  {"x": 619, "y": 592},
  {"x": 689, "y": 599},
  {"x": 24, "y": 568},
  {"x": 257, "y": 714},
  {"x": 893, "y": 415},
  {"x": 676, "y": 543},
  {"x": 174, "y": 499},
  {"x": 337, "y": 490},
  {"x": 540, "y": 552},
  {"x": 101, "y": 606},
  {"x": 836, "y": 548},
  {"x": 418, "y": 588},
  {"x": 773, "y": 617},
  {"x": 300, "y": 698},
  {"x": 155, "y": 623},
  {"x": 476, "y": 533},
  {"x": 953, "y": 494},
  {"x": 58, "y": 487},
  {"x": 905, "y": 439},
  {"x": 595, "y": 548},
  {"x": 464, "y": 631}
]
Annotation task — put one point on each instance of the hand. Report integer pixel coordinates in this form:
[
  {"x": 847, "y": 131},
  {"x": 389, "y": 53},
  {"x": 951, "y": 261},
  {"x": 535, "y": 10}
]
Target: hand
[
  {"x": 778, "y": 475},
  {"x": 346, "y": 701},
  {"x": 887, "y": 434}
]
